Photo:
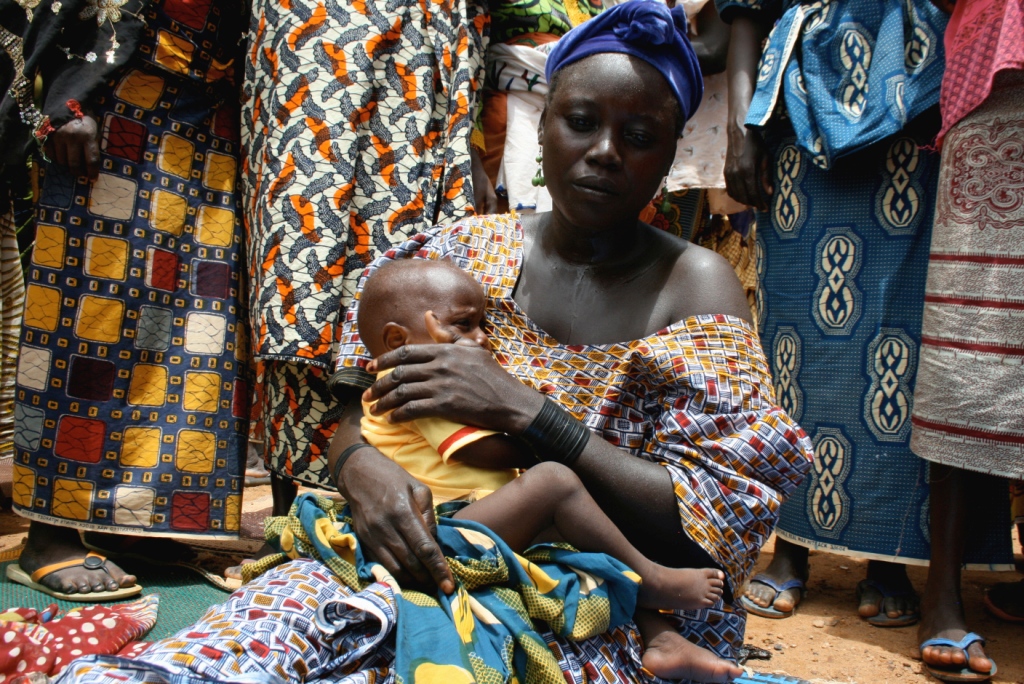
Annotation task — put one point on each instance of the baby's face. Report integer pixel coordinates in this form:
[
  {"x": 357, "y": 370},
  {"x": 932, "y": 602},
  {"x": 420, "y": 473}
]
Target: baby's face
[{"x": 456, "y": 318}]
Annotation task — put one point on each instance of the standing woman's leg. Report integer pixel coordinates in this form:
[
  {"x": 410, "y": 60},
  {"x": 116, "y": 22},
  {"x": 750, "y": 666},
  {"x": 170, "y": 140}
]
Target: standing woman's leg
[
  {"x": 327, "y": 192},
  {"x": 841, "y": 334},
  {"x": 970, "y": 353},
  {"x": 943, "y": 604},
  {"x": 131, "y": 404}
]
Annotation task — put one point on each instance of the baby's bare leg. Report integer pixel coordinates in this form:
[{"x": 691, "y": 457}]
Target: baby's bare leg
[
  {"x": 669, "y": 655},
  {"x": 550, "y": 495}
]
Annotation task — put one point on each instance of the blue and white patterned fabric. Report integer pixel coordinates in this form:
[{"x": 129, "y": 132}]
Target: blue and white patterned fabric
[
  {"x": 842, "y": 257},
  {"x": 850, "y": 73}
]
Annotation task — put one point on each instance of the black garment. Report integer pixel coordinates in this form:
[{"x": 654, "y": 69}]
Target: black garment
[{"x": 41, "y": 47}]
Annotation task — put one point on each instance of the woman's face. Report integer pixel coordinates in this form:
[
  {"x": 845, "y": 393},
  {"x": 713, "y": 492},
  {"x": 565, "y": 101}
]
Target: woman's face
[{"x": 608, "y": 134}]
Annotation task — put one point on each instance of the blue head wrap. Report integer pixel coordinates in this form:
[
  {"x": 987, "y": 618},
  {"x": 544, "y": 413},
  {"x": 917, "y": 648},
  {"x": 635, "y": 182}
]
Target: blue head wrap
[{"x": 643, "y": 28}]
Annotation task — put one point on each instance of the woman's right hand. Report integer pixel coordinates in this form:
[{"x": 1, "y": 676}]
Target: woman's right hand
[
  {"x": 393, "y": 515},
  {"x": 747, "y": 170},
  {"x": 75, "y": 145},
  {"x": 747, "y": 176}
]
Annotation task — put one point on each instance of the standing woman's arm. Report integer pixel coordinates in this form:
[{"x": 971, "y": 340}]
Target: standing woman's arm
[
  {"x": 747, "y": 176},
  {"x": 712, "y": 41}
]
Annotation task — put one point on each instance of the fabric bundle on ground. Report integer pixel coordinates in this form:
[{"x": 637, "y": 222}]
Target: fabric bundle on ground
[
  {"x": 34, "y": 642},
  {"x": 297, "y": 618},
  {"x": 485, "y": 630}
]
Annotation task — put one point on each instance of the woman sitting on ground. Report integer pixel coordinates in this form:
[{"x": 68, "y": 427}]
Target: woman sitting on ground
[{"x": 641, "y": 337}]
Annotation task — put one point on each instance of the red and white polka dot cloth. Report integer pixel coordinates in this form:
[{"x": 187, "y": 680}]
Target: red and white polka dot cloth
[{"x": 44, "y": 643}]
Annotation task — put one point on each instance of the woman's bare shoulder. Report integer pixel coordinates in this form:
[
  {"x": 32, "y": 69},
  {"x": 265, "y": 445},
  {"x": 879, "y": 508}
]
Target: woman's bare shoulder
[{"x": 703, "y": 282}]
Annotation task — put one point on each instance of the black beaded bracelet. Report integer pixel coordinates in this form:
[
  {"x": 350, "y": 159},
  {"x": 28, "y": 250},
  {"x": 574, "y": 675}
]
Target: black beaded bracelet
[
  {"x": 554, "y": 435},
  {"x": 345, "y": 455}
]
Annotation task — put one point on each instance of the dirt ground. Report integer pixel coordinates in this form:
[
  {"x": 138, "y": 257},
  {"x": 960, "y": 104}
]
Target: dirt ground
[{"x": 824, "y": 642}]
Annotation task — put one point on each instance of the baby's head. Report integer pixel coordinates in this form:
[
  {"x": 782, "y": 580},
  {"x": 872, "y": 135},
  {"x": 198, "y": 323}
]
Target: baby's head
[{"x": 420, "y": 301}]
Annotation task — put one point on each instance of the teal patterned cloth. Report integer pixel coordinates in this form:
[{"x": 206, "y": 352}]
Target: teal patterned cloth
[
  {"x": 485, "y": 630},
  {"x": 849, "y": 73}
]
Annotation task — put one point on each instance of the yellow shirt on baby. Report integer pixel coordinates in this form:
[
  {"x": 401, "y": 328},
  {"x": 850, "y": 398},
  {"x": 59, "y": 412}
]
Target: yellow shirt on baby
[{"x": 423, "y": 447}]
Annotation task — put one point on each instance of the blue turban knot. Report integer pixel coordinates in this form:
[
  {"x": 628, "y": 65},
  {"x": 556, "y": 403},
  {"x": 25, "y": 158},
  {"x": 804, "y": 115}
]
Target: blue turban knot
[{"x": 643, "y": 28}]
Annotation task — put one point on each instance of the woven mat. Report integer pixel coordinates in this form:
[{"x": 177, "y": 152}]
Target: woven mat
[
  {"x": 252, "y": 523},
  {"x": 184, "y": 595}
]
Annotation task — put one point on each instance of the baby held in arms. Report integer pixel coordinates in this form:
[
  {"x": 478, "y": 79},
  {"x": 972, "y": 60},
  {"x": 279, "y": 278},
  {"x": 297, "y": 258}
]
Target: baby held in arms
[{"x": 418, "y": 301}]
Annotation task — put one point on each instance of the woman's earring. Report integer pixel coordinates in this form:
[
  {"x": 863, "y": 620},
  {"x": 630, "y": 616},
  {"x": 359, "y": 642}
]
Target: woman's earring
[{"x": 538, "y": 180}]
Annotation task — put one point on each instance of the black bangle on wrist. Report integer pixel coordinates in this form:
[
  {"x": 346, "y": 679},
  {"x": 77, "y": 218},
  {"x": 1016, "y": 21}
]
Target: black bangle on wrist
[
  {"x": 554, "y": 435},
  {"x": 345, "y": 455}
]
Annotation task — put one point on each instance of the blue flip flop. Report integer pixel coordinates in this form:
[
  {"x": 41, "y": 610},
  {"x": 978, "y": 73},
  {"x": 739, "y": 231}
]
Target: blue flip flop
[
  {"x": 964, "y": 674},
  {"x": 883, "y": 620},
  {"x": 766, "y": 678},
  {"x": 770, "y": 611}
]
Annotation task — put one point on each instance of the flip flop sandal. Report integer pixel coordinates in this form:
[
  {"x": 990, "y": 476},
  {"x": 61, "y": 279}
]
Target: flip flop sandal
[
  {"x": 991, "y": 596},
  {"x": 256, "y": 478},
  {"x": 770, "y": 611},
  {"x": 883, "y": 620},
  {"x": 192, "y": 563},
  {"x": 750, "y": 652},
  {"x": 150, "y": 550},
  {"x": 93, "y": 561},
  {"x": 767, "y": 678},
  {"x": 965, "y": 673}
]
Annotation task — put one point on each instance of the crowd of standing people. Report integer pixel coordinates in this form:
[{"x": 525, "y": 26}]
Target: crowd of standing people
[{"x": 211, "y": 182}]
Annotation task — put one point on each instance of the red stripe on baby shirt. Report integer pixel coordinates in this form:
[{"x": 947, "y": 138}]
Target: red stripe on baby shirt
[{"x": 456, "y": 436}]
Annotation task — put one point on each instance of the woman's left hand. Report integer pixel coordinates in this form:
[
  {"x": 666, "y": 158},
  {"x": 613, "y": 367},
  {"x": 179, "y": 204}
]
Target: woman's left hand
[
  {"x": 460, "y": 383},
  {"x": 75, "y": 145},
  {"x": 485, "y": 199}
]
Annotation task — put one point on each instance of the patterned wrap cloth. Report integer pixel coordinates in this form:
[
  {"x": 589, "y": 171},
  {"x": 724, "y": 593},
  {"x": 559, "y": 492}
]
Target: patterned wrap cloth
[
  {"x": 842, "y": 257},
  {"x": 694, "y": 397},
  {"x": 132, "y": 397},
  {"x": 356, "y": 120},
  {"x": 972, "y": 351},
  {"x": 36, "y": 39}
]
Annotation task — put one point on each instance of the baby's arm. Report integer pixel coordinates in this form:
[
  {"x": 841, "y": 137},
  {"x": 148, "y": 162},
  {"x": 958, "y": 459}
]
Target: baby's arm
[{"x": 495, "y": 452}]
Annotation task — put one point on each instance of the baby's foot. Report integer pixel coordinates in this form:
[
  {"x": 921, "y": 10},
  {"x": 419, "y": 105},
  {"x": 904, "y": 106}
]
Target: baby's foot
[
  {"x": 681, "y": 588},
  {"x": 670, "y": 656}
]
